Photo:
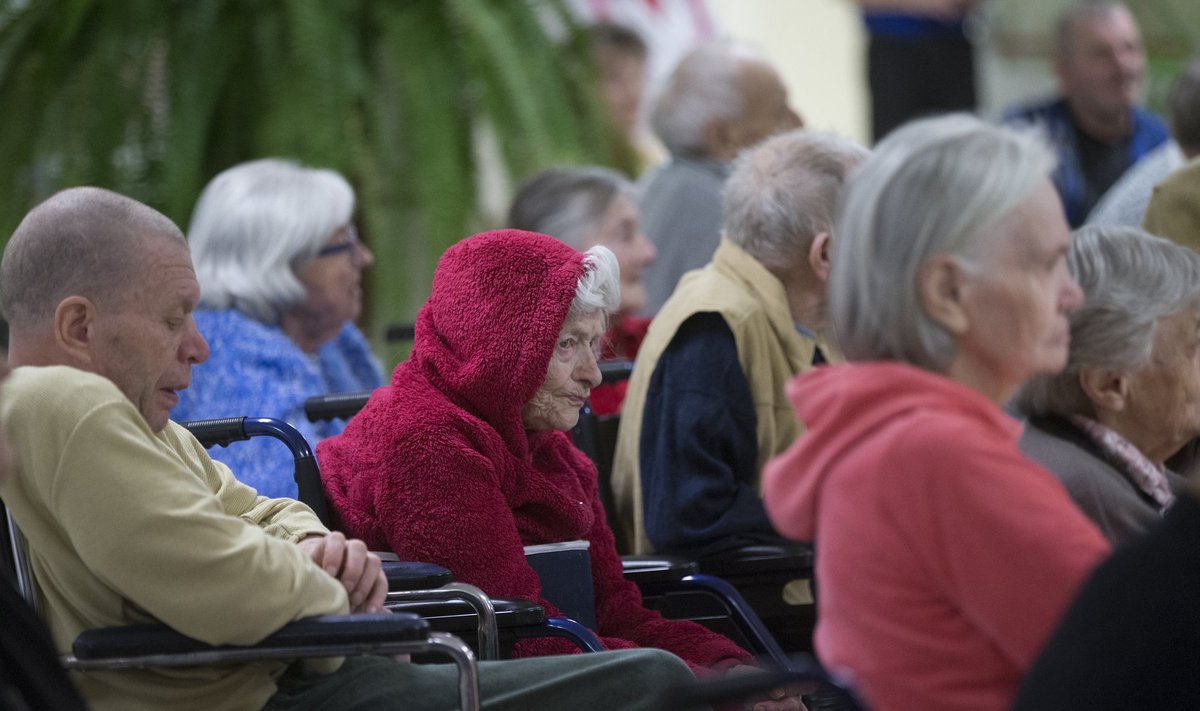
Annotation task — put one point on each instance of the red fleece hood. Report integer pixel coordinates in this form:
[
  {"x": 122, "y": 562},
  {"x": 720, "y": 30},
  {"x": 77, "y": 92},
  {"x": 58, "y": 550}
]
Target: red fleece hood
[
  {"x": 485, "y": 336},
  {"x": 841, "y": 406}
]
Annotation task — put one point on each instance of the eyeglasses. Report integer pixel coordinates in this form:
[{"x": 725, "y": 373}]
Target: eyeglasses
[{"x": 350, "y": 242}]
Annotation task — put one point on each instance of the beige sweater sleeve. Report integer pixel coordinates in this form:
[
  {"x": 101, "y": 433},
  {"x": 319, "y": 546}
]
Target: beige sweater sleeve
[{"x": 169, "y": 531}]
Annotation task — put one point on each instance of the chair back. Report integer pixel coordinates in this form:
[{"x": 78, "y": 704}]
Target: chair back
[
  {"x": 339, "y": 406},
  {"x": 21, "y": 570},
  {"x": 565, "y": 573}
]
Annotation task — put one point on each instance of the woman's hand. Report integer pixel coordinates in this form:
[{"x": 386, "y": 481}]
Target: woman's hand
[{"x": 778, "y": 699}]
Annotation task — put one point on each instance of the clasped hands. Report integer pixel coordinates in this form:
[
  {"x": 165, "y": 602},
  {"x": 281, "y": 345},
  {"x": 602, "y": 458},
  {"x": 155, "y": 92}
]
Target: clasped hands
[{"x": 348, "y": 560}]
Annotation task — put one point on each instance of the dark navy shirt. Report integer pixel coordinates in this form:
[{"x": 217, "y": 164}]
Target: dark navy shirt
[{"x": 698, "y": 452}]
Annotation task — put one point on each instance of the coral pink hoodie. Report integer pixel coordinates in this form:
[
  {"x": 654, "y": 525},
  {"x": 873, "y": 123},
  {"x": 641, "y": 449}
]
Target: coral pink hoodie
[
  {"x": 944, "y": 557},
  {"x": 439, "y": 467}
]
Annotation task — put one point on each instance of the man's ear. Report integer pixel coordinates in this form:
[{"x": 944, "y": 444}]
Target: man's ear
[
  {"x": 940, "y": 282},
  {"x": 1108, "y": 389},
  {"x": 818, "y": 256},
  {"x": 718, "y": 139},
  {"x": 74, "y": 327}
]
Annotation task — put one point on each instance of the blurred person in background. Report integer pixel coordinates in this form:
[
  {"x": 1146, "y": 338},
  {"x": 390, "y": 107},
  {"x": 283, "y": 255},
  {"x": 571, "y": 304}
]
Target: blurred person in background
[
  {"x": 1129, "y": 397},
  {"x": 619, "y": 54},
  {"x": 1126, "y": 202},
  {"x": 723, "y": 97},
  {"x": 280, "y": 270},
  {"x": 1096, "y": 125},
  {"x": 920, "y": 59},
  {"x": 586, "y": 206}
]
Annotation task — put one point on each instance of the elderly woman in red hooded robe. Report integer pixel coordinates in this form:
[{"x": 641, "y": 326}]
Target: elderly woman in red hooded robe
[{"x": 464, "y": 459}]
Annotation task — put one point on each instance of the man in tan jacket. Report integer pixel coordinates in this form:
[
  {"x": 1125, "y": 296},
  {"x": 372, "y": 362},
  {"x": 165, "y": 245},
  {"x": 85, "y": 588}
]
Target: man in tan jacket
[
  {"x": 705, "y": 408},
  {"x": 129, "y": 521}
]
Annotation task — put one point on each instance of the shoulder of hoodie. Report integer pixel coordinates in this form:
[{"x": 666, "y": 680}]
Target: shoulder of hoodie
[
  {"x": 430, "y": 422},
  {"x": 939, "y": 442}
]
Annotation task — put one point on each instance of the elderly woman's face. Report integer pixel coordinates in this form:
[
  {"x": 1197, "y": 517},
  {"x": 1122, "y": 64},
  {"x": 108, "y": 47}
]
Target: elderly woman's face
[
  {"x": 572, "y": 374},
  {"x": 1016, "y": 299},
  {"x": 618, "y": 229},
  {"x": 333, "y": 283},
  {"x": 1162, "y": 400}
]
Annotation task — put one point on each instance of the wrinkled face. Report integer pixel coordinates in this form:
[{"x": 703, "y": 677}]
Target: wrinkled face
[
  {"x": 333, "y": 283},
  {"x": 147, "y": 343},
  {"x": 1164, "y": 396},
  {"x": 622, "y": 85},
  {"x": 766, "y": 110},
  {"x": 1018, "y": 295},
  {"x": 1101, "y": 70},
  {"x": 618, "y": 230},
  {"x": 572, "y": 374}
]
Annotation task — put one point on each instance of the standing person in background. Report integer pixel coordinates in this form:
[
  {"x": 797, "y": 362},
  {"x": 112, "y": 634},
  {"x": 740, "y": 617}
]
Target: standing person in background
[
  {"x": 280, "y": 269},
  {"x": 619, "y": 54},
  {"x": 920, "y": 59},
  {"x": 1096, "y": 125},
  {"x": 586, "y": 206},
  {"x": 722, "y": 98}
]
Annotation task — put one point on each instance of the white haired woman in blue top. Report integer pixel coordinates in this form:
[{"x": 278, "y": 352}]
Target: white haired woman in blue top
[{"x": 280, "y": 270}]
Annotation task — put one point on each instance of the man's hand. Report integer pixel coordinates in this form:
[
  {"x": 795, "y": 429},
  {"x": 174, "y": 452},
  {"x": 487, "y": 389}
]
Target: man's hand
[
  {"x": 782, "y": 699},
  {"x": 358, "y": 569}
]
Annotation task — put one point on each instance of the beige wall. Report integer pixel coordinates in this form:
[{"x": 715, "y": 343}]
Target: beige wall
[{"x": 818, "y": 46}]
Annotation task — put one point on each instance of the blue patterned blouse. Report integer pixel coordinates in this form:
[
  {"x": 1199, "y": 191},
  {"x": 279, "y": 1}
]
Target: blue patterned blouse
[{"x": 256, "y": 370}]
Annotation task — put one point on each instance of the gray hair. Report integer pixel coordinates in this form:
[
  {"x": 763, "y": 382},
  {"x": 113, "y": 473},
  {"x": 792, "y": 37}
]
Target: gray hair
[
  {"x": 567, "y": 203},
  {"x": 703, "y": 88},
  {"x": 599, "y": 287},
  {"x": 1183, "y": 107},
  {"x": 934, "y": 186},
  {"x": 1065, "y": 25},
  {"x": 78, "y": 242},
  {"x": 783, "y": 193},
  {"x": 254, "y": 223},
  {"x": 1130, "y": 280}
]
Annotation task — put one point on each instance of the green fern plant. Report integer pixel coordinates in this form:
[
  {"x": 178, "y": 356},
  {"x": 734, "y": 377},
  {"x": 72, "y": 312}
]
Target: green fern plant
[{"x": 152, "y": 99}]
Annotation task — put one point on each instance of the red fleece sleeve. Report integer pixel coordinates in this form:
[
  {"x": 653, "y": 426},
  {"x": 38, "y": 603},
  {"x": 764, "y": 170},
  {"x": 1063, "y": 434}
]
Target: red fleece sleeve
[{"x": 445, "y": 506}]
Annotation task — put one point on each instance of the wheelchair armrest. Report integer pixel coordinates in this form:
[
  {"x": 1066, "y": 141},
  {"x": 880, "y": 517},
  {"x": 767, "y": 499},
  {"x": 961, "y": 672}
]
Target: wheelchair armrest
[
  {"x": 642, "y": 569},
  {"x": 137, "y": 640},
  {"x": 790, "y": 559},
  {"x": 406, "y": 575},
  {"x": 458, "y": 616}
]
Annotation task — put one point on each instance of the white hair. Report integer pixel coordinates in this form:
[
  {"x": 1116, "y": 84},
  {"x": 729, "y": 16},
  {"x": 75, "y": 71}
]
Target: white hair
[
  {"x": 254, "y": 223},
  {"x": 1130, "y": 281},
  {"x": 599, "y": 287},
  {"x": 784, "y": 192},
  {"x": 703, "y": 88},
  {"x": 934, "y": 186}
]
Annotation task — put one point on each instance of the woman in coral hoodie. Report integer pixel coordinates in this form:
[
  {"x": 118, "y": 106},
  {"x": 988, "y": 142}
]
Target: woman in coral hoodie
[
  {"x": 944, "y": 557},
  {"x": 464, "y": 458}
]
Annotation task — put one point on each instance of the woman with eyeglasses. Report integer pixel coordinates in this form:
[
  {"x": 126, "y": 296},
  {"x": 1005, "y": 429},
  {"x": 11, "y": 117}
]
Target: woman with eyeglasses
[{"x": 280, "y": 270}]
